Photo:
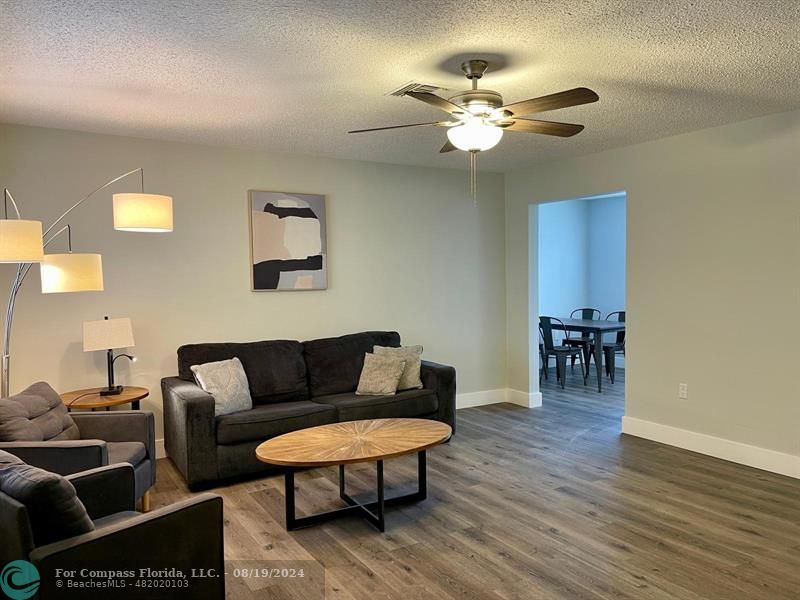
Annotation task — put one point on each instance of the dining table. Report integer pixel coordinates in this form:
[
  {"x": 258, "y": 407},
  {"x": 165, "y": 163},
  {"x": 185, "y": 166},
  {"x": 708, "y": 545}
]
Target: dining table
[{"x": 596, "y": 328}]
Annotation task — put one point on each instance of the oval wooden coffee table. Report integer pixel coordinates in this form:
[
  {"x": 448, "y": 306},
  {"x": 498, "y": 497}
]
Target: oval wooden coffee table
[{"x": 354, "y": 442}]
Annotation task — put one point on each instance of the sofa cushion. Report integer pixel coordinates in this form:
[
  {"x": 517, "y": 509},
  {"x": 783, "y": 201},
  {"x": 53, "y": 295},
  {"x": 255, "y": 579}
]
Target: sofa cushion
[
  {"x": 412, "y": 355},
  {"x": 380, "y": 375},
  {"x": 53, "y": 507},
  {"x": 411, "y": 403},
  {"x": 126, "y": 452},
  {"x": 334, "y": 364},
  {"x": 226, "y": 381},
  {"x": 36, "y": 414},
  {"x": 275, "y": 369},
  {"x": 269, "y": 420}
]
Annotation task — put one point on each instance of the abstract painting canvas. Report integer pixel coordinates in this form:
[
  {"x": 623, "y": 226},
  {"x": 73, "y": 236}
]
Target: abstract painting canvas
[{"x": 287, "y": 241}]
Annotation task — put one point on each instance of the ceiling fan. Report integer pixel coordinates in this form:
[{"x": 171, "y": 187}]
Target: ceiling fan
[{"x": 478, "y": 117}]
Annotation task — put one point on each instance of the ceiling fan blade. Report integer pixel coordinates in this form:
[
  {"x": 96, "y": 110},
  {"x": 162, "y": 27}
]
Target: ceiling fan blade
[
  {"x": 565, "y": 99},
  {"x": 545, "y": 127},
  {"x": 438, "y": 102},
  {"x": 448, "y": 147},
  {"x": 397, "y": 127}
]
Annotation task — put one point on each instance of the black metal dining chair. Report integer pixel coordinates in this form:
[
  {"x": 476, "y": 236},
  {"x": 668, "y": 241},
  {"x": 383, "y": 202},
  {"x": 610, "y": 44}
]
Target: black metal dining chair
[
  {"x": 611, "y": 349},
  {"x": 561, "y": 352},
  {"x": 584, "y": 340},
  {"x": 542, "y": 360}
]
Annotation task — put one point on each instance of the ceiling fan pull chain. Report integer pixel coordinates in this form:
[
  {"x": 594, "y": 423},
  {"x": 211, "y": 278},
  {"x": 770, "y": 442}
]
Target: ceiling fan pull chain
[{"x": 473, "y": 175}]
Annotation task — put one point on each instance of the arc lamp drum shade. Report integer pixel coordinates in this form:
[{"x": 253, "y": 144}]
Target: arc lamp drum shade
[
  {"x": 21, "y": 241},
  {"x": 142, "y": 212},
  {"x": 72, "y": 272},
  {"x": 107, "y": 334}
]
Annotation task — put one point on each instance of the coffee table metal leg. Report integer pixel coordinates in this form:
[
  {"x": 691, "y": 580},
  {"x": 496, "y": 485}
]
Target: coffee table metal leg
[
  {"x": 373, "y": 512},
  {"x": 422, "y": 475},
  {"x": 381, "y": 522},
  {"x": 288, "y": 481}
]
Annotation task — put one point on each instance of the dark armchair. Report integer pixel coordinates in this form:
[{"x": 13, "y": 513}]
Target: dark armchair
[
  {"x": 185, "y": 535},
  {"x": 35, "y": 426}
]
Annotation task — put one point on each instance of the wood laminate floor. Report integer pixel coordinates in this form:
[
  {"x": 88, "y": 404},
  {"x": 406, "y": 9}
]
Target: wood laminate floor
[{"x": 547, "y": 503}]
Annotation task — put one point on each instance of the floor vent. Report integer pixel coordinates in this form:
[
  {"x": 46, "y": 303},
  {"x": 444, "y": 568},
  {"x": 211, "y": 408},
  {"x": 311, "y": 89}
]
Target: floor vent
[{"x": 415, "y": 86}]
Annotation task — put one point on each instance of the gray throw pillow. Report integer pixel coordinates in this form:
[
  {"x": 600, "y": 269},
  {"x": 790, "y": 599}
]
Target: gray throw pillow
[
  {"x": 412, "y": 355},
  {"x": 36, "y": 414},
  {"x": 54, "y": 509},
  {"x": 380, "y": 375},
  {"x": 227, "y": 382}
]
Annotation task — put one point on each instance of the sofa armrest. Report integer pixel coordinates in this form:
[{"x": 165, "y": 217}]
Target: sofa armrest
[
  {"x": 106, "y": 490},
  {"x": 184, "y": 536},
  {"x": 190, "y": 430},
  {"x": 441, "y": 379},
  {"x": 62, "y": 457},
  {"x": 119, "y": 426}
]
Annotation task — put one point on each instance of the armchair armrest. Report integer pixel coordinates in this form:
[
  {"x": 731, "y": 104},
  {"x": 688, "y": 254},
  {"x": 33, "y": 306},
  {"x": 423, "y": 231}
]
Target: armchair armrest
[
  {"x": 106, "y": 490},
  {"x": 190, "y": 430},
  {"x": 442, "y": 379},
  {"x": 119, "y": 426},
  {"x": 62, "y": 457},
  {"x": 183, "y": 536}
]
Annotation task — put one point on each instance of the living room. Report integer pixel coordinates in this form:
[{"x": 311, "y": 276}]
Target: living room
[{"x": 680, "y": 492}]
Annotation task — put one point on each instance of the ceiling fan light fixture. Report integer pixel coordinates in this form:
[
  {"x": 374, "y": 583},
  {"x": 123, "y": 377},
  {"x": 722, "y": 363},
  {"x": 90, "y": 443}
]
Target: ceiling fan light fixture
[{"x": 474, "y": 135}]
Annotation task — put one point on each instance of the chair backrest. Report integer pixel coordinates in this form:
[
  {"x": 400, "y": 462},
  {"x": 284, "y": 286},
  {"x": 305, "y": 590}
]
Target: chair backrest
[
  {"x": 38, "y": 507},
  {"x": 587, "y": 314},
  {"x": 17, "y": 539},
  {"x": 618, "y": 315},
  {"x": 36, "y": 414},
  {"x": 546, "y": 327}
]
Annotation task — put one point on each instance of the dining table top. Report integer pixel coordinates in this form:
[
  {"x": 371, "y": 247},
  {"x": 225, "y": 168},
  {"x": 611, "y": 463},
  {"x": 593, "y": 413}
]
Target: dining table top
[{"x": 592, "y": 324}]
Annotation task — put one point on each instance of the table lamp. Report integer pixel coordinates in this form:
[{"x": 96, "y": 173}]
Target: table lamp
[{"x": 109, "y": 334}]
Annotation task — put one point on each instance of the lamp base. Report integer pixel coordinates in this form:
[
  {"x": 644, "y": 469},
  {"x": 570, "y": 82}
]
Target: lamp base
[{"x": 111, "y": 391}]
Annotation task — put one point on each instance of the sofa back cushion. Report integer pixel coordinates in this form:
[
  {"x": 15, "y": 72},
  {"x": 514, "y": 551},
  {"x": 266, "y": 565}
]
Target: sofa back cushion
[
  {"x": 275, "y": 369},
  {"x": 36, "y": 414},
  {"x": 334, "y": 364},
  {"x": 54, "y": 510}
]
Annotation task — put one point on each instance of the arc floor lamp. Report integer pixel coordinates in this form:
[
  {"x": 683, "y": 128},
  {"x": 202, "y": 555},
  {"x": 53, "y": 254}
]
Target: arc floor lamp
[{"x": 23, "y": 242}]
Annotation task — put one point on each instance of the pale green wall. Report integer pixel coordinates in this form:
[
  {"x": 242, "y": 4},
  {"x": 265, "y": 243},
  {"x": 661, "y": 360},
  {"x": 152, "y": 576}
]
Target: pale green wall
[
  {"x": 713, "y": 286},
  {"x": 408, "y": 250}
]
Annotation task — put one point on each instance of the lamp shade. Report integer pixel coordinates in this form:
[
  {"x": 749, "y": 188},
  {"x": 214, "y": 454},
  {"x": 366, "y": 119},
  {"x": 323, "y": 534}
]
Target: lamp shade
[
  {"x": 20, "y": 241},
  {"x": 72, "y": 273},
  {"x": 142, "y": 212},
  {"x": 107, "y": 334},
  {"x": 474, "y": 135}
]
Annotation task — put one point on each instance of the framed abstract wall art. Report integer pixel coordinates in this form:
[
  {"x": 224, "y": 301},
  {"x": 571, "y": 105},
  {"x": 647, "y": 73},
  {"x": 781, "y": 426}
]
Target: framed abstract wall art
[{"x": 287, "y": 241}]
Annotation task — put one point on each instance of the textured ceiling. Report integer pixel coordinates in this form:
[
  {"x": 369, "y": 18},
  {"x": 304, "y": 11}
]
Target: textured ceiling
[{"x": 294, "y": 76}]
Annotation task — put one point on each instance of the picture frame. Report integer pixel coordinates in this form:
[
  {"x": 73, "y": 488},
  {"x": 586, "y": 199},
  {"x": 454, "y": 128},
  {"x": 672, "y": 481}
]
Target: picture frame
[{"x": 288, "y": 241}]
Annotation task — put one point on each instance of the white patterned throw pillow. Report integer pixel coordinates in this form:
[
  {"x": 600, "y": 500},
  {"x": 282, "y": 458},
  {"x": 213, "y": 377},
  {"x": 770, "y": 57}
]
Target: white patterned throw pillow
[
  {"x": 380, "y": 375},
  {"x": 412, "y": 355},
  {"x": 227, "y": 382}
]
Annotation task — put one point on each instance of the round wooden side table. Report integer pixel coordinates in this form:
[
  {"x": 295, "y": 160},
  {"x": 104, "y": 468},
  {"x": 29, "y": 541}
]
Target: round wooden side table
[{"x": 91, "y": 399}]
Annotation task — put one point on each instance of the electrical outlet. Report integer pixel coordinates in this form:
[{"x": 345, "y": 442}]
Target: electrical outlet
[{"x": 683, "y": 391}]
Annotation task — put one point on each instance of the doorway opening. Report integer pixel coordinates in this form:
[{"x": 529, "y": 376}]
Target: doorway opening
[{"x": 581, "y": 264}]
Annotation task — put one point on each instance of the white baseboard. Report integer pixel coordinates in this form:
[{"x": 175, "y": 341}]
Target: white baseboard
[
  {"x": 486, "y": 397},
  {"x": 524, "y": 398},
  {"x": 161, "y": 451},
  {"x": 744, "y": 454},
  {"x": 470, "y": 399}
]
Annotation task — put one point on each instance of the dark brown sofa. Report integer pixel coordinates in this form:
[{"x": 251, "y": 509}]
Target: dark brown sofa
[{"x": 294, "y": 385}]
